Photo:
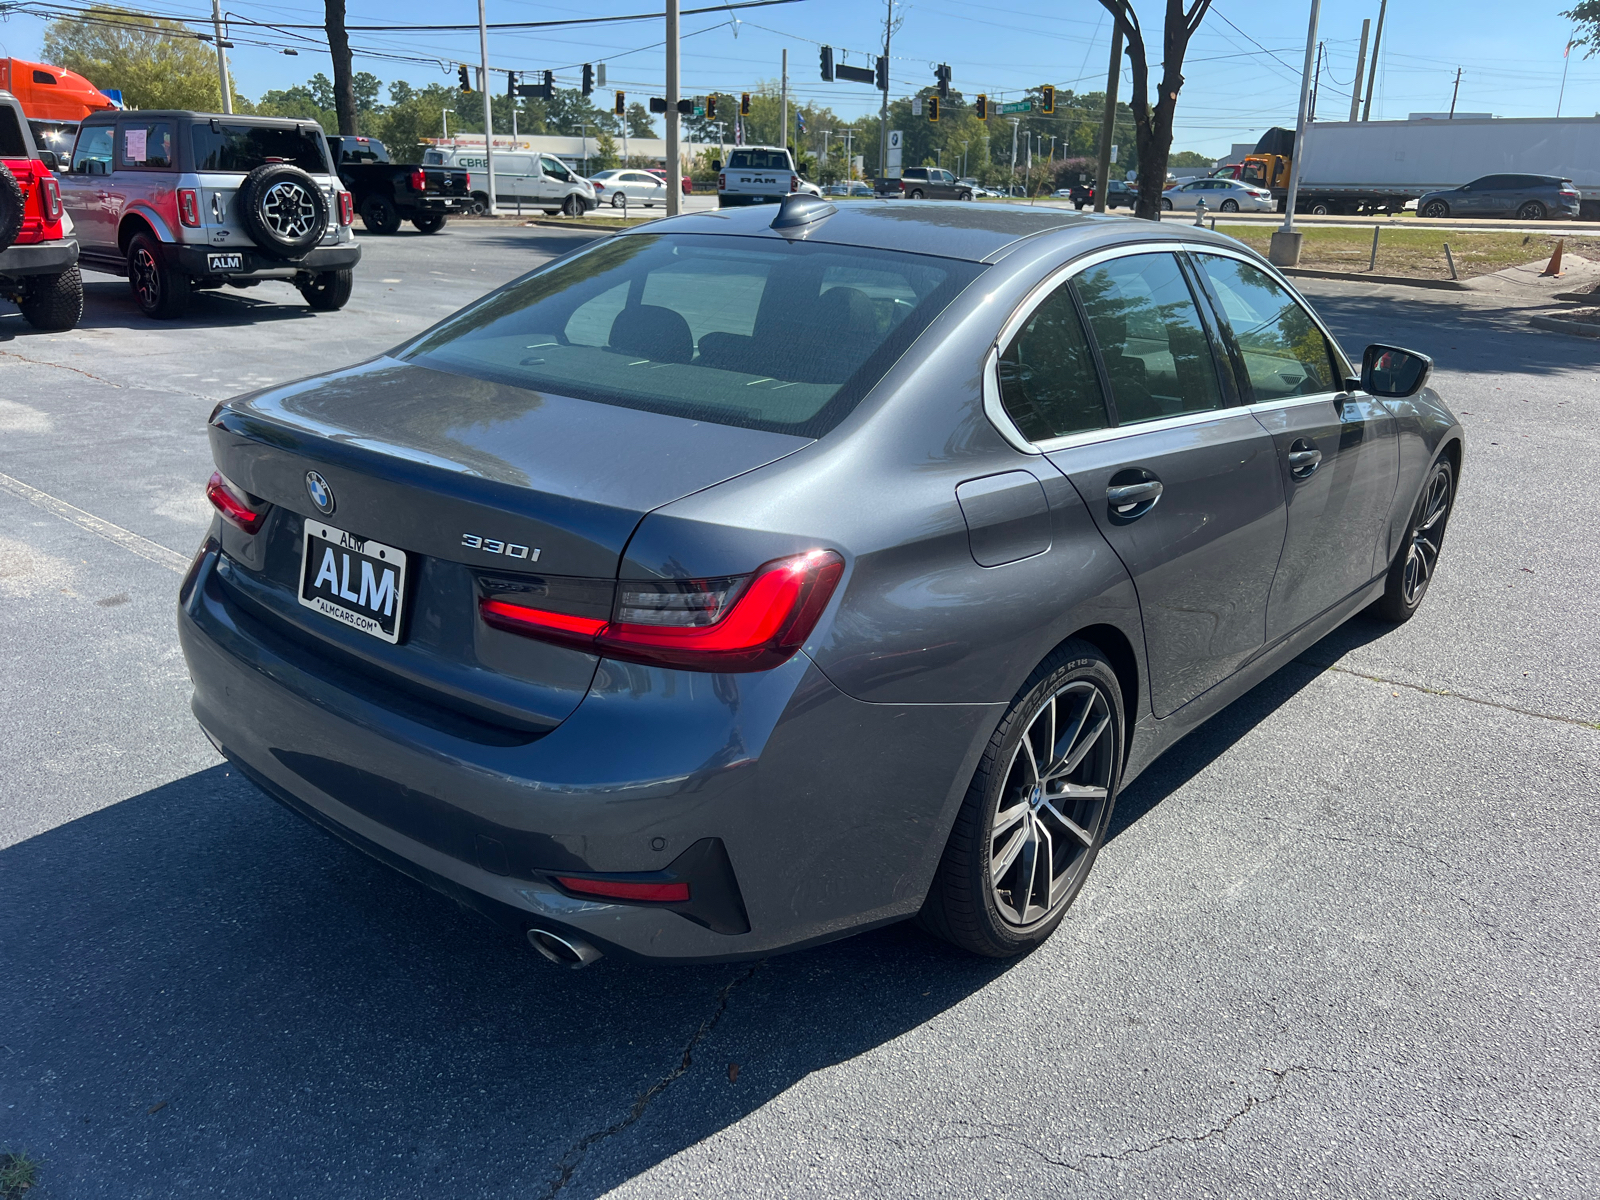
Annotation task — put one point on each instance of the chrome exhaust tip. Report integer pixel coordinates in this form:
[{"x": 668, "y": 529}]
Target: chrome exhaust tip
[{"x": 564, "y": 949}]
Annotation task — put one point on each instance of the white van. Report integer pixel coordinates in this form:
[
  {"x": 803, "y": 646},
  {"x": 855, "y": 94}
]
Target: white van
[{"x": 522, "y": 179}]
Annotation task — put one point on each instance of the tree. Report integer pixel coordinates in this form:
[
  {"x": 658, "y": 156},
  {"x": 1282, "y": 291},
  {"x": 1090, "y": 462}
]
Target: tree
[
  {"x": 639, "y": 121},
  {"x": 1585, "y": 15},
  {"x": 1153, "y": 127},
  {"x": 569, "y": 110},
  {"x": 1190, "y": 158},
  {"x": 156, "y": 63},
  {"x": 605, "y": 152},
  {"x": 302, "y": 100},
  {"x": 344, "y": 95}
]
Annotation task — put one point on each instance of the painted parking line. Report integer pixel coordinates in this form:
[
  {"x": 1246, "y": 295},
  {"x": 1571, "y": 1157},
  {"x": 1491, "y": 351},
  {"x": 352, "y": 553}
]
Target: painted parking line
[{"x": 126, "y": 538}]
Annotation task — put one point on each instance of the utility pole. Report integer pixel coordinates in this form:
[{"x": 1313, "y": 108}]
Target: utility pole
[
  {"x": 1456, "y": 91},
  {"x": 1014, "y": 124},
  {"x": 1361, "y": 61},
  {"x": 674, "y": 171},
  {"x": 1316, "y": 81},
  {"x": 1285, "y": 248},
  {"x": 444, "y": 116},
  {"x": 849, "y": 162},
  {"x": 883, "y": 111},
  {"x": 1372, "y": 64},
  {"x": 783, "y": 93},
  {"x": 1108, "y": 123},
  {"x": 222, "y": 58},
  {"x": 488, "y": 109}
]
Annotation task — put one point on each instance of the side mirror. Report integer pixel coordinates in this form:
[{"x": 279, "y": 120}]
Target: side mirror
[
  {"x": 716, "y": 164},
  {"x": 1394, "y": 373},
  {"x": 50, "y": 159}
]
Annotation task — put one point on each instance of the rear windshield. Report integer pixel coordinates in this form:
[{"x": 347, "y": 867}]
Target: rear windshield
[
  {"x": 758, "y": 160},
  {"x": 358, "y": 150},
  {"x": 753, "y": 332},
  {"x": 246, "y": 147}
]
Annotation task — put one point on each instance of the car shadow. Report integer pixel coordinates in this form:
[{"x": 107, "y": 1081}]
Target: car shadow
[{"x": 107, "y": 304}]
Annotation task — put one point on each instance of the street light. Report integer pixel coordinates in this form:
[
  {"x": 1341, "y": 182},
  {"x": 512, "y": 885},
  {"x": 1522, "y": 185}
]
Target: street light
[
  {"x": 444, "y": 115},
  {"x": 1285, "y": 248}
]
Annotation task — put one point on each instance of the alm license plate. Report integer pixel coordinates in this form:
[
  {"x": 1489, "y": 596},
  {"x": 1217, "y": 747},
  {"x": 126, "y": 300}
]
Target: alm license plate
[
  {"x": 354, "y": 580},
  {"x": 224, "y": 262}
]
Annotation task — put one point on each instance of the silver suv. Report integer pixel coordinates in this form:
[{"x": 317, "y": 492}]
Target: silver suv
[{"x": 181, "y": 200}]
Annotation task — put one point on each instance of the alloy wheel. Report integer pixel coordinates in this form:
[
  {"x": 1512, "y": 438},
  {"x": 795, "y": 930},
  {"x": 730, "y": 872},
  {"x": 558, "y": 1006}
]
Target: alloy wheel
[
  {"x": 1051, "y": 812},
  {"x": 146, "y": 279},
  {"x": 288, "y": 210},
  {"x": 1422, "y": 556}
]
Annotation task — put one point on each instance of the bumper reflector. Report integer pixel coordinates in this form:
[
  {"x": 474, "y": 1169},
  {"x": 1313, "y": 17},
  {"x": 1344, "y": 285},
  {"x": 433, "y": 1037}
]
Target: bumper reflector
[{"x": 626, "y": 889}]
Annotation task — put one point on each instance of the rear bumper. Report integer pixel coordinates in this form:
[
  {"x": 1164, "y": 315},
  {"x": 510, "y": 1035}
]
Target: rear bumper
[
  {"x": 40, "y": 258},
  {"x": 434, "y": 205},
  {"x": 196, "y": 261},
  {"x": 833, "y": 812}
]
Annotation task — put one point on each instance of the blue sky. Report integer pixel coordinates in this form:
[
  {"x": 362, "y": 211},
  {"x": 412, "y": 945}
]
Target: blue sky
[{"x": 1239, "y": 80}]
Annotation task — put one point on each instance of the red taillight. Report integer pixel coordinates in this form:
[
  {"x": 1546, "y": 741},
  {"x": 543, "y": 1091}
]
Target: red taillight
[
  {"x": 50, "y": 194},
  {"x": 236, "y": 505},
  {"x": 189, "y": 207},
  {"x": 722, "y": 183},
  {"x": 598, "y": 186},
  {"x": 347, "y": 208},
  {"x": 627, "y": 889},
  {"x": 740, "y": 623},
  {"x": 419, "y": 181},
  {"x": 902, "y": 185},
  {"x": 794, "y": 184}
]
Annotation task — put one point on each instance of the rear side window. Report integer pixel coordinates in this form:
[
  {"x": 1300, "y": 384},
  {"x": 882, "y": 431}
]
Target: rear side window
[
  {"x": 1156, "y": 352},
  {"x": 12, "y": 143},
  {"x": 92, "y": 155},
  {"x": 1285, "y": 353},
  {"x": 1048, "y": 382},
  {"x": 432, "y": 158},
  {"x": 752, "y": 332},
  {"x": 758, "y": 160},
  {"x": 225, "y": 147},
  {"x": 144, "y": 145}
]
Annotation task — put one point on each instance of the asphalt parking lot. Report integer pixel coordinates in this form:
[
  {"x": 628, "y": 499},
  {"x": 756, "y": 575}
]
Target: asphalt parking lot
[{"x": 1342, "y": 942}]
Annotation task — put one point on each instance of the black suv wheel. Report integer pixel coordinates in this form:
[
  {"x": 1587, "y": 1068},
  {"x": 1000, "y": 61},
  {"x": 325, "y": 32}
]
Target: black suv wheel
[
  {"x": 328, "y": 291},
  {"x": 158, "y": 290},
  {"x": 283, "y": 210},
  {"x": 53, "y": 302},
  {"x": 379, "y": 215}
]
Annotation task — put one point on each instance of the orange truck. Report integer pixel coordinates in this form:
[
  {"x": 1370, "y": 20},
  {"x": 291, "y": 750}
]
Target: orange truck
[{"x": 53, "y": 99}]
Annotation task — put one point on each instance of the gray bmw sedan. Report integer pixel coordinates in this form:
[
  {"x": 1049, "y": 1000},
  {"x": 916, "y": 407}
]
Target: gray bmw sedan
[{"x": 757, "y": 577}]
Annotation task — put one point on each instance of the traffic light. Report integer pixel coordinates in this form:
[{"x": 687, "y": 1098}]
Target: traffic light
[
  {"x": 932, "y": 105},
  {"x": 621, "y": 108},
  {"x": 942, "y": 74},
  {"x": 511, "y": 86},
  {"x": 657, "y": 104},
  {"x": 1047, "y": 99},
  {"x": 461, "y": 74},
  {"x": 827, "y": 64},
  {"x": 711, "y": 107},
  {"x": 686, "y": 108},
  {"x": 588, "y": 80},
  {"x": 980, "y": 107},
  {"x": 883, "y": 75},
  {"x": 744, "y": 104}
]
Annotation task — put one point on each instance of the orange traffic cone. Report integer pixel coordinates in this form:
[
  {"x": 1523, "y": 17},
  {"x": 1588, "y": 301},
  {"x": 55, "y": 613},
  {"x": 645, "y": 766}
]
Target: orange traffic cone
[{"x": 1554, "y": 269}]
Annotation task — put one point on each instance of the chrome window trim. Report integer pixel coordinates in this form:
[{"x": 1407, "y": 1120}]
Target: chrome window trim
[
  {"x": 1114, "y": 433},
  {"x": 996, "y": 411}
]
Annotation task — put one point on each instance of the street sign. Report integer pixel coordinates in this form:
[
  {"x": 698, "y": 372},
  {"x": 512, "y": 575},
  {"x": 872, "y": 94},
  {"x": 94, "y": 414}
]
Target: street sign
[
  {"x": 1017, "y": 106},
  {"x": 1113, "y": 152},
  {"x": 916, "y": 106}
]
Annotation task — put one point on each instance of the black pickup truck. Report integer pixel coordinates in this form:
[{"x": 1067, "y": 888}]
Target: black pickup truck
[{"x": 387, "y": 193}]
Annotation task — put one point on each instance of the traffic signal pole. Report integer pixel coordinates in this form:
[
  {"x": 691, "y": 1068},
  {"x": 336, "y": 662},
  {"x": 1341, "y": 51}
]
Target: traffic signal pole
[
  {"x": 783, "y": 138},
  {"x": 488, "y": 108},
  {"x": 883, "y": 111},
  {"x": 674, "y": 168},
  {"x": 1108, "y": 123}
]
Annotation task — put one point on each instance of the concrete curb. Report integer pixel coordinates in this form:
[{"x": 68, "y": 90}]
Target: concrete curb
[
  {"x": 1441, "y": 285},
  {"x": 1557, "y": 325}
]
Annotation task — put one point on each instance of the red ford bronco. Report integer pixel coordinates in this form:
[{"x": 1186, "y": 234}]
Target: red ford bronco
[{"x": 38, "y": 258}]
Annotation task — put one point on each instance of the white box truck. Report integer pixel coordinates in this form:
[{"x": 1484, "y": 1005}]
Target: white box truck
[{"x": 1380, "y": 166}]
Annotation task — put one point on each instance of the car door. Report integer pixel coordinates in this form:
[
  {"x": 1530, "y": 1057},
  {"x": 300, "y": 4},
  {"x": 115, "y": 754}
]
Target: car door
[
  {"x": 85, "y": 190},
  {"x": 1338, "y": 449},
  {"x": 1185, "y": 484}
]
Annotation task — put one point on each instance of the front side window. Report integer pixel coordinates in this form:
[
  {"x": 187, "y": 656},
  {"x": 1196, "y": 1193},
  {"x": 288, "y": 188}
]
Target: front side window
[
  {"x": 226, "y": 147},
  {"x": 554, "y": 168},
  {"x": 752, "y": 332},
  {"x": 1285, "y": 352},
  {"x": 1145, "y": 321},
  {"x": 145, "y": 146},
  {"x": 92, "y": 155},
  {"x": 1048, "y": 382}
]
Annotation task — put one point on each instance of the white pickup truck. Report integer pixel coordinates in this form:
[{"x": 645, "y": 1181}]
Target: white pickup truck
[{"x": 759, "y": 175}]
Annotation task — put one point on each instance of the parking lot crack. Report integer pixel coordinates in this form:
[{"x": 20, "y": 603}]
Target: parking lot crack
[
  {"x": 1417, "y": 687},
  {"x": 40, "y": 362},
  {"x": 578, "y": 1151}
]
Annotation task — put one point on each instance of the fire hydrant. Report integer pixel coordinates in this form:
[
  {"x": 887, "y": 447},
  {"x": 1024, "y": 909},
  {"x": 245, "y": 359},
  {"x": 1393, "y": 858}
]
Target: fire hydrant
[{"x": 1200, "y": 212}]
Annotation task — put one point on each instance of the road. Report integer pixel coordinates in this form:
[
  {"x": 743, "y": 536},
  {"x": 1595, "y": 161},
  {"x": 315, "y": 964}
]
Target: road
[{"x": 1342, "y": 942}]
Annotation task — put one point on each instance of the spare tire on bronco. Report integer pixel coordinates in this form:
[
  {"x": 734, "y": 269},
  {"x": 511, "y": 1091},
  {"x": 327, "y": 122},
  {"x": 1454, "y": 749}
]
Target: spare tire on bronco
[{"x": 283, "y": 210}]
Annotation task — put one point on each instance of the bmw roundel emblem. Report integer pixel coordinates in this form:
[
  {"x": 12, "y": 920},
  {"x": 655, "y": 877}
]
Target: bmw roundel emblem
[{"x": 319, "y": 491}]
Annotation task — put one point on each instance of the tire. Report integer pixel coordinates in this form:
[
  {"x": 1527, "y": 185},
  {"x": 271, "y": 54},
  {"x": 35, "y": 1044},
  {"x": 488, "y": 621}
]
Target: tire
[
  {"x": 10, "y": 208},
  {"x": 379, "y": 215},
  {"x": 1071, "y": 706},
  {"x": 572, "y": 206},
  {"x": 1321, "y": 209},
  {"x": 431, "y": 224},
  {"x": 618, "y": 200},
  {"x": 158, "y": 290},
  {"x": 1230, "y": 206},
  {"x": 1418, "y": 557},
  {"x": 329, "y": 291},
  {"x": 1435, "y": 210},
  {"x": 283, "y": 210},
  {"x": 1531, "y": 211},
  {"x": 915, "y": 195},
  {"x": 1166, "y": 206},
  {"x": 53, "y": 302},
  {"x": 964, "y": 196}
]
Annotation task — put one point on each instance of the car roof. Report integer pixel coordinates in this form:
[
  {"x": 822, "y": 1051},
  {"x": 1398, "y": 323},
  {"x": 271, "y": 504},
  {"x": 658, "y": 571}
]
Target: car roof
[{"x": 945, "y": 229}]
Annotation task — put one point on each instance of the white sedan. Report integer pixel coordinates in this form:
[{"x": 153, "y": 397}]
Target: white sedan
[
  {"x": 640, "y": 187},
  {"x": 1220, "y": 195}
]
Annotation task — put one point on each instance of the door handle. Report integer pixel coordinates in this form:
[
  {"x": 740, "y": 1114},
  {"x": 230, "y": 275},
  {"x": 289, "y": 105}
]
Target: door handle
[
  {"x": 1303, "y": 462},
  {"x": 1130, "y": 495}
]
